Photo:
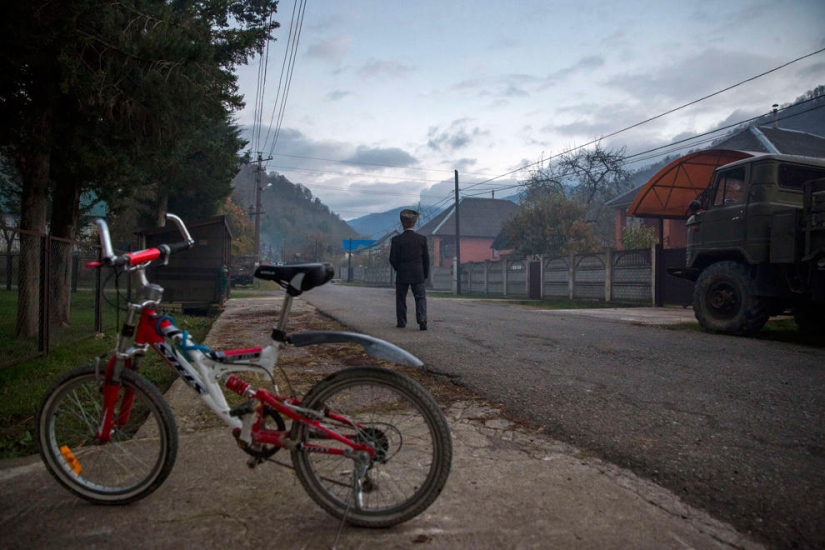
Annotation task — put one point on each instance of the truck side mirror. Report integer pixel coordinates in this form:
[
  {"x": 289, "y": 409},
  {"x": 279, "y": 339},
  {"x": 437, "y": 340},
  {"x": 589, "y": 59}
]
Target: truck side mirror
[{"x": 694, "y": 206}]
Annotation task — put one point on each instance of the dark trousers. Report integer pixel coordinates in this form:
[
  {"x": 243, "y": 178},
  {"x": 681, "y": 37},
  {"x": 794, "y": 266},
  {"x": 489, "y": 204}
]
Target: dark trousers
[{"x": 420, "y": 295}]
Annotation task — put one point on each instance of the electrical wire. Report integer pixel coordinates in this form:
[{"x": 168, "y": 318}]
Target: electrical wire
[
  {"x": 374, "y": 164},
  {"x": 292, "y": 52},
  {"x": 656, "y": 117}
]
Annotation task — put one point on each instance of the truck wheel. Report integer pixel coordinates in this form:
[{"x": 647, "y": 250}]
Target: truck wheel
[{"x": 725, "y": 300}]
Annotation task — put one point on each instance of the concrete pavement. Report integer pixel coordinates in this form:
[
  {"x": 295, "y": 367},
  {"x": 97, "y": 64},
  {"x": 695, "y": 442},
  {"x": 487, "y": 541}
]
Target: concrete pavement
[{"x": 509, "y": 487}]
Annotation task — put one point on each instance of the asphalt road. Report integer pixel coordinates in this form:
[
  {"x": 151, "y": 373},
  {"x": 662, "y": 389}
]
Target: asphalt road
[{"x": 734, "y": 426}]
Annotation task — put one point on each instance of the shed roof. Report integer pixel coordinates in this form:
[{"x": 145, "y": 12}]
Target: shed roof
[
  {"x": 668, "y": 193},
  {"x": 478, "y": 217},
  {"x": 751, "y": 141}
]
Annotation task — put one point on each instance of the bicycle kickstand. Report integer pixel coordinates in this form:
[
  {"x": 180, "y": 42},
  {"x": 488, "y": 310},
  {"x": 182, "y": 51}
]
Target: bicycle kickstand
[{"x": 359, "y": 471}]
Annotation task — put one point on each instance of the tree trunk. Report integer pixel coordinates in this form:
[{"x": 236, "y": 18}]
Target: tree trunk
[
  {"x": 162, "y": 205},
  {"x": 8, "y": 238},
  {"x": 35, "y": 170},
  {"x": 65, "y": 213}
]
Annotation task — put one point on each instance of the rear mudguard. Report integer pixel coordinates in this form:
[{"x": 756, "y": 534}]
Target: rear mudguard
[{"x": 373, "y": 346}]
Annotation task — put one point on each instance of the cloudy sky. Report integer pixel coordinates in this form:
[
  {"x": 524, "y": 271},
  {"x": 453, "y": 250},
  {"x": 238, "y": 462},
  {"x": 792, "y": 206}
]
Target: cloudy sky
[{"x": 388, "y": 98}]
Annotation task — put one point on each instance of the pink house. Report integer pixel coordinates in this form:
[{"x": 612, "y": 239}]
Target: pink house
[{"x": 480, "y": 222}]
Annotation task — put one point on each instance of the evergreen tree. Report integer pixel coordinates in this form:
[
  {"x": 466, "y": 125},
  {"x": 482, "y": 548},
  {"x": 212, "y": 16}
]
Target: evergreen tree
[{"x": 96, "y": 92}]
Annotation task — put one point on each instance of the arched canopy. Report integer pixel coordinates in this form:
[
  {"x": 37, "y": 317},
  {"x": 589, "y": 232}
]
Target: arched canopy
[{"x": 668, "y": 193}]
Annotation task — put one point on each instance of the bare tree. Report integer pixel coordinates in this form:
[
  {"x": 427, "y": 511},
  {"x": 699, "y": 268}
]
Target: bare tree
[
  {"x": 586, "y": 178},
  {"x": 595, "y": 175}
]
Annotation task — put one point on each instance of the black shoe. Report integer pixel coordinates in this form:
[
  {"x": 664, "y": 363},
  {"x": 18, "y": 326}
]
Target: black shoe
[
  {"x": 423, "y": 326},
  {"x": 399, "y": 325}
]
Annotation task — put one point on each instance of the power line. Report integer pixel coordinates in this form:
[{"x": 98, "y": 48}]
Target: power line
[
  {"x": 729, "y": 126},
  {"x": 260, "y": 93},
  {"x": 689, "y": 142},
  {"x": 375, "y": 164},
  {"x": 371, "y": 192},
  {"x": 636, "y": 125},
  {"x": 287, "y": 68},
  {"x": 356, "y": 174}
]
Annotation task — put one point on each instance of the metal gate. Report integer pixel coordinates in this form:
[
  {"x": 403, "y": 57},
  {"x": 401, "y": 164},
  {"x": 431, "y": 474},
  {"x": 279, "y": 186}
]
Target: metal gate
[
  {"x": 670, "y": 289},
  {"x": 534, "y": 280}
]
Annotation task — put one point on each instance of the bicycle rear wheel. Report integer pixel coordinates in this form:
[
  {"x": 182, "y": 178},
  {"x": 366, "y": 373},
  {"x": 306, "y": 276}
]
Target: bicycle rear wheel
[
  {"x": 410, "y": 435},
  {"x": 133, "y": 464}
]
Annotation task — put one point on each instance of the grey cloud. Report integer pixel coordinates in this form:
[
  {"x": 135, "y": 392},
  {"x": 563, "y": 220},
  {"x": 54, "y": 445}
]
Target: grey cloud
[
  {"x": 455, "y": 137},
  {"x": 520, "y": 84},
  {"x": 337, "y": 95},
  {"x": 816, "y": 69},
  {"x": 331, "y": 50},
  {"x": 739, "y": 115},
  {"x": 584, "y": 64},
  {"x": 513, "y": 91},
  {"x": 383, "y": 67},
  {"x": 464, "y": 164},
  {"x": 378, "y": 157},
  {"x": 594, "y": 120},
  {"x": 688, "y": 78}
]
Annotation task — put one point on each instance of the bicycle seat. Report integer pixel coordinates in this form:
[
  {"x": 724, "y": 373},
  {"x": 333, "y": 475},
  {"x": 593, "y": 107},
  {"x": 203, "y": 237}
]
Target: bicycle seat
[{"x": 296, "y": 278}]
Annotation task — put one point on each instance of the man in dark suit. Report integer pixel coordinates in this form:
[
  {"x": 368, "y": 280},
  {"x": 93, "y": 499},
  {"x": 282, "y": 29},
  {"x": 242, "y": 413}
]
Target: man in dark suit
[{"x": 411, "y": 261}]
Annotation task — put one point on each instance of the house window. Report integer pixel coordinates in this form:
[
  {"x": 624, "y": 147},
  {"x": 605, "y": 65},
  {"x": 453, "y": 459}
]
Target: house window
[{"x": 730, "y": 188}]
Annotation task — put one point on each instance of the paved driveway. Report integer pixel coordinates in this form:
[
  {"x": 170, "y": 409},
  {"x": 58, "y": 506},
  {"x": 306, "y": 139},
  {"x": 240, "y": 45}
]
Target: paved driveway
[{"x": 733, "y": 425}]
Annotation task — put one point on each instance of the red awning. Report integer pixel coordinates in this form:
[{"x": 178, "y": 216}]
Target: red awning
[{"x": 668, "y": 193}]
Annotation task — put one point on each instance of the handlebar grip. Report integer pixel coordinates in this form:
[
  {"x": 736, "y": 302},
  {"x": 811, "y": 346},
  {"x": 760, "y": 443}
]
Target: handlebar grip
[{"x": 179, "y": 247}]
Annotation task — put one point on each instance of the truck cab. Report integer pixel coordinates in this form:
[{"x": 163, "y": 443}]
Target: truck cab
[{"x": 748, "y": 248}]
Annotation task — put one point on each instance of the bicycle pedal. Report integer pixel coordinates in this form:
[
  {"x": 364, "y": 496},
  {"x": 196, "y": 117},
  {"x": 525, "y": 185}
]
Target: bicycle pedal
[
  {"x": 245, "y": 408},
  {"x": 254, "y": 461}
]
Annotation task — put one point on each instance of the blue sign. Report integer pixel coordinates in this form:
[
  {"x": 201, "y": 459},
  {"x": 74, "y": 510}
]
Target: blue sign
[{"x": 357, "y": 244}]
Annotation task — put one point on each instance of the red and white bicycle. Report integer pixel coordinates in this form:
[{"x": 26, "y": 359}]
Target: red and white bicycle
[{"x": 369, "y": 445}]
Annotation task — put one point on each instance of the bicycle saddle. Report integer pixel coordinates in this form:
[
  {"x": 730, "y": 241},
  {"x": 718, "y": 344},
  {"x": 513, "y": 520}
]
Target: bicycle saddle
[{"x": 296, "y": 278}]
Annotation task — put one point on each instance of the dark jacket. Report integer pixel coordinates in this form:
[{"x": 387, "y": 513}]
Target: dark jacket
[{"x": 409, "y": 257}]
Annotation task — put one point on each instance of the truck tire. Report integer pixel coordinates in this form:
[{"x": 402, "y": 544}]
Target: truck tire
[{"x": 725, "y": 300}]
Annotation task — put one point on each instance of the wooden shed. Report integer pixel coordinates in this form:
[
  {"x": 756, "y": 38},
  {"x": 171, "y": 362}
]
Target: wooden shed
[{"x": 198, "y": 278}]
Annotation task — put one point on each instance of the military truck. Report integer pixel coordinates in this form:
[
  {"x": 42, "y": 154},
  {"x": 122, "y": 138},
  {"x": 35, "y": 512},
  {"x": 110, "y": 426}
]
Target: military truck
[{"x": 756, "y": 245}]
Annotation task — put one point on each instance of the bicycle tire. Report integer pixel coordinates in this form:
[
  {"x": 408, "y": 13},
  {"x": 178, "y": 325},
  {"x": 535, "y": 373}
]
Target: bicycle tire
[
  {"x": 405, "y": 424},
  {"x": 132, "y": 465}
]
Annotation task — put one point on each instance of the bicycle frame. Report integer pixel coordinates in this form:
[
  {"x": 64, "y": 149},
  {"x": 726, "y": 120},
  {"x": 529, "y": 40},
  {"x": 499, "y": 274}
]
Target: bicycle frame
[{"x": 203, "y": 370}]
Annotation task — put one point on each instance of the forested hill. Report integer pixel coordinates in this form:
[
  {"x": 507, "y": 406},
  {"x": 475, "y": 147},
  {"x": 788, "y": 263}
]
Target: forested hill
[{"x": 291, "y": 217}]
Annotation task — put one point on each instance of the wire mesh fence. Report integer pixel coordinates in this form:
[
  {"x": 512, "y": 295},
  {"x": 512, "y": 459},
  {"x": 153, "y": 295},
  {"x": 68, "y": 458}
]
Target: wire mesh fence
[{"x": 48, "y": 298}]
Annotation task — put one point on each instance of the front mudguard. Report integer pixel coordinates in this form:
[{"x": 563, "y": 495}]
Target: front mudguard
[{"x": 372, "y": 346}]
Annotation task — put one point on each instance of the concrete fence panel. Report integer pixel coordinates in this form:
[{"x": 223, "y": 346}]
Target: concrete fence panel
[
  {"x": 516, "y": 278},
  {"x": 556, "y": 277},
  {"x": 590, "y": 273}
]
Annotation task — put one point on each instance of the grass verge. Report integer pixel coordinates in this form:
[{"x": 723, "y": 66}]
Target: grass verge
[
  {"x": 23, "y": 385},
  {"x": 775, "y": 330}
]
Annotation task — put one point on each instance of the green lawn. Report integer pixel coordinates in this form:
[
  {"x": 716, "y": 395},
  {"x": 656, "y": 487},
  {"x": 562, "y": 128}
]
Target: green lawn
[
  {"x": 23, "y": 385},
  {"x": 80, "y": 326}
]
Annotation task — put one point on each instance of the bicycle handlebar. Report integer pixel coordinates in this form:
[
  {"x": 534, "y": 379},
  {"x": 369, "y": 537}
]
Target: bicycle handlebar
[{"x": 161, "y": 252}]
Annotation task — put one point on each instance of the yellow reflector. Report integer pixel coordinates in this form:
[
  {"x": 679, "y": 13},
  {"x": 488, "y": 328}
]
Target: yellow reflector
[{"x": 71, "y": 460}]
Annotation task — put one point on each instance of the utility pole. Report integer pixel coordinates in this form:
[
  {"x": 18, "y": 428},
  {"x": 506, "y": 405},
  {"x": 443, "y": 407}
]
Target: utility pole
[
  {"x": 349, "y": 262},
  {"x": 258, "y": 191},
  {"x": 457, "y": 242}
]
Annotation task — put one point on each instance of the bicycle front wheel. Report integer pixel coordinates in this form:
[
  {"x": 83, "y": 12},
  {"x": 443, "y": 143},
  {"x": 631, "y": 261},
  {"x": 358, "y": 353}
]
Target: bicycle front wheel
[
  {"x": 142, "y": 449},
  {"x": 413, "y": 450}
]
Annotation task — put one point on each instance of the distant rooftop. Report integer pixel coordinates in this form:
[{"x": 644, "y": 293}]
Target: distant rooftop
[{"x": 478, "y": 218}]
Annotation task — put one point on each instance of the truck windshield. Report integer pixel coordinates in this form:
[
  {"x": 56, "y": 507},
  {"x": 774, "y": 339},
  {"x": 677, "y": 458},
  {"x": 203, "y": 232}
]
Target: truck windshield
[{"x": 731, "y": 187}]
